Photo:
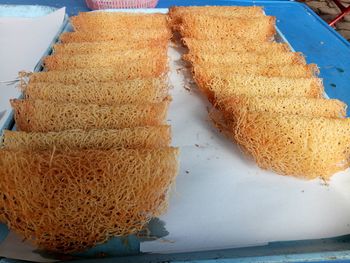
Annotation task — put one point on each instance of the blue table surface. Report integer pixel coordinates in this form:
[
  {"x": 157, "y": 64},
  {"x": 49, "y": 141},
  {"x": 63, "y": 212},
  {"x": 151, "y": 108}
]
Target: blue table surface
[{"x": 307, "y": 33}]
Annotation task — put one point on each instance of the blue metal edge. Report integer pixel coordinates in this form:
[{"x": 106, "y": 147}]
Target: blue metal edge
[
  {"x": 328, "y": 249},
  {"x": 320, "y": 250}
]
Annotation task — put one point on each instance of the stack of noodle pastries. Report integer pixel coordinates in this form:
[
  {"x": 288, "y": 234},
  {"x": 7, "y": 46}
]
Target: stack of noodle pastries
[
  {"x": 91, "y": 158},
  {"x": 266, "y": 98}
]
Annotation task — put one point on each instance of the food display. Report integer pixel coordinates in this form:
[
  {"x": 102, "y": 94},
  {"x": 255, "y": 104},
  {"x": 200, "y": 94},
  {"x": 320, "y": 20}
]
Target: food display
[
  {"x": 91, "y": 155},
  {"x": 91, "y": 158},
  {"x": 265, "y": 97}
]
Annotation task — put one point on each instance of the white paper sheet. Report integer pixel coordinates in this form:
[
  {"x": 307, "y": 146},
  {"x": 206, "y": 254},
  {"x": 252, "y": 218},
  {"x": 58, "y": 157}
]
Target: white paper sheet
[
  {"x": 23, "y": 41},
  {"x": 223, "y": 200}
]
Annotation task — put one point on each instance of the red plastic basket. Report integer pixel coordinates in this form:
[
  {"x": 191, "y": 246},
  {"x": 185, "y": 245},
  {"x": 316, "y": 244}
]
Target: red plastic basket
[{"x": 105, "y": 4}]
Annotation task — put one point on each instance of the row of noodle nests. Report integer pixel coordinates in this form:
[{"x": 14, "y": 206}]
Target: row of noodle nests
[
  {"x": 266, "y": 98},
  {"x": 91, "y": 157}
]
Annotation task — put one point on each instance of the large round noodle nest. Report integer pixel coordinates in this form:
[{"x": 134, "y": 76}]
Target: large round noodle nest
[
  {"x": 301, "y": 146},
  {"x": 111, "y": 193}
]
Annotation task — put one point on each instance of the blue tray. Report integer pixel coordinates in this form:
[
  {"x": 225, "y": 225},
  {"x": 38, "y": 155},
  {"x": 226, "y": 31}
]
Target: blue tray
[{"x": 307, "y": 33}]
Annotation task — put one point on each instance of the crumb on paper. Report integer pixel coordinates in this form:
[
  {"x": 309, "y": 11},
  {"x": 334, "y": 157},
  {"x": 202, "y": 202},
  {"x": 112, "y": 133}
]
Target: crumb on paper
[
  {"x": 187, "y": 172},
  {"x": 324, "y": 182},
  {"x": 302, "y": 191},
  {"x": 187, "y": 87},
  {"x": 178, "y": 70},
  {"x": 197, "y": 145},
  {"x": 163, "y": 240}
]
